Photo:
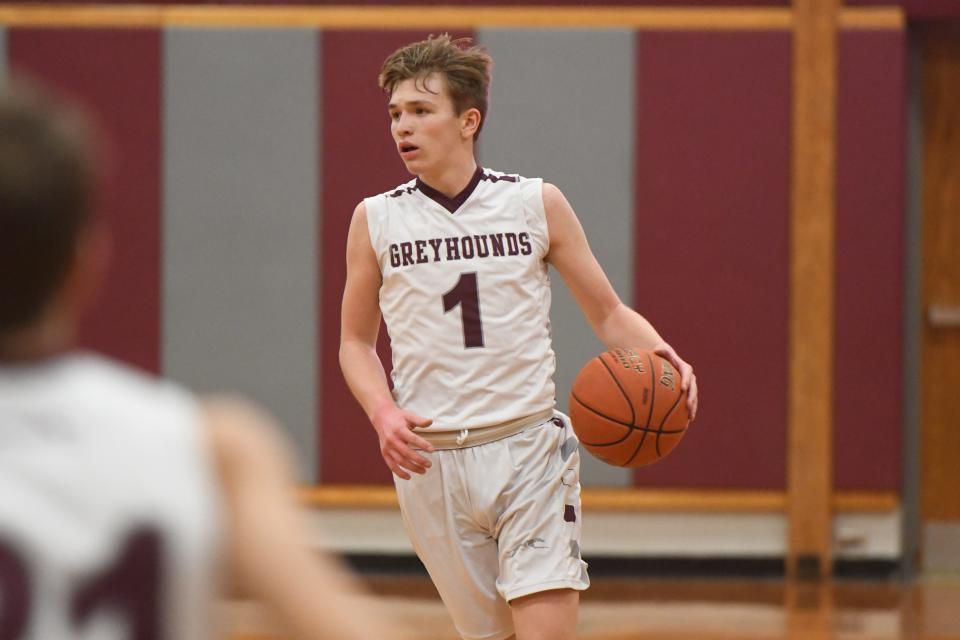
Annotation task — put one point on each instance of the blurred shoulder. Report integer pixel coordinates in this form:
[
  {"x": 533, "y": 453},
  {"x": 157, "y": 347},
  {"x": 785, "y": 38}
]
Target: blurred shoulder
[{"x": 242, "y": 435}]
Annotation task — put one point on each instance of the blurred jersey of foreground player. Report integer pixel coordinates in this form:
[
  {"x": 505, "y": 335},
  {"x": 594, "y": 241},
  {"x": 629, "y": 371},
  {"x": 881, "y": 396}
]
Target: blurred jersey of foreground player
[{"x": 126, "y": 503}]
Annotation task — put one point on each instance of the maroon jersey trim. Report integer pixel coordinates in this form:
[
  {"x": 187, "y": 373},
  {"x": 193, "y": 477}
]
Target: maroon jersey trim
[{"x": 454, "y": 203}]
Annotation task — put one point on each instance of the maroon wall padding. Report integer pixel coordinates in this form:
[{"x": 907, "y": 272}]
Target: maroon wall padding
[
  {"x": 917, "y": 9},
  {"x": 712, "y": 228},
  {"x": 125, "y": 104},
  {"x": 359, "y": 159},
  {"x": 932, "y": 8},
  {"x": 868, "y": 369}
]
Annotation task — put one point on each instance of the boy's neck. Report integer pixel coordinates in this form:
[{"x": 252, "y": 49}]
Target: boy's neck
[
  {"x": 452, "y": 178},
  {"x": 46, "y": 338}
]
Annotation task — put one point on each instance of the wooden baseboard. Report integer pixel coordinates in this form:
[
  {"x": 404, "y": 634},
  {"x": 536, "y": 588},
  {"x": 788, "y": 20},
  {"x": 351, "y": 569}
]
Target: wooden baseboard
[
  {"x": 630, "y": 500},
  {"x": 450, "y": 17}
]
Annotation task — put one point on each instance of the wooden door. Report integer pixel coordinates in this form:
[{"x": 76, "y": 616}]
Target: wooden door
[{"x": 940, "y": 377}]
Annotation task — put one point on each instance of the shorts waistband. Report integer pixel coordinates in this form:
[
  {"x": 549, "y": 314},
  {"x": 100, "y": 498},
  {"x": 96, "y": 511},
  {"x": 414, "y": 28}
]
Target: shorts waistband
[{"x": 482, "y": 435}]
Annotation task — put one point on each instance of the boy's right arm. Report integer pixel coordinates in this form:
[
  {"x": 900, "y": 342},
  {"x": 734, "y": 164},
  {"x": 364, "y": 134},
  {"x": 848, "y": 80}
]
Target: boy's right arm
[
  {"x": 359, "y": 327},
  {"x": 268, "y": 554}
]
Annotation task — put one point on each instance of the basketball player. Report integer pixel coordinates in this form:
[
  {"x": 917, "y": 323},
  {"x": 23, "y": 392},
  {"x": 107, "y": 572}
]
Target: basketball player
[
  {"x": 456, "y": 261},
  {"x": 124, "y": 500}
]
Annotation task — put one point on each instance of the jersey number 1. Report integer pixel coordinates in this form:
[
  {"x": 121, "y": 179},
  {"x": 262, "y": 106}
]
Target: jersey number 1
[{"x": 466, "y": 294}]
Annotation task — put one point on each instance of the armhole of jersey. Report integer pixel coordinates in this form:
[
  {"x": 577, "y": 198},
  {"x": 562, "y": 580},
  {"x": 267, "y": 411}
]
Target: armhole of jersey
[
  {"x": 373, "y": 225},
  {"x": 532, "y": 193},
  {"x": 202, "y": 440}
]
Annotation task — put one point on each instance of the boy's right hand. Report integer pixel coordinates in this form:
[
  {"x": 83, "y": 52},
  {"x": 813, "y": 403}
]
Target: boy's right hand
[{"x": 397, "y": 440}]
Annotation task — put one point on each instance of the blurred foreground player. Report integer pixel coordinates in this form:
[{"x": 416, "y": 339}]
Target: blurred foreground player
[
  {"x": 125, "y": 502},
  {"x": 455, "y": 261}
]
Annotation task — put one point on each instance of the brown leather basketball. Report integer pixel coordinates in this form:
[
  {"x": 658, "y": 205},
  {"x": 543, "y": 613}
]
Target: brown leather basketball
[{"x": 627, "y": 407}]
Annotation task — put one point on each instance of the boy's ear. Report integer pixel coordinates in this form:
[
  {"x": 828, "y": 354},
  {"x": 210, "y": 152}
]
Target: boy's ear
[
  {"x": 470, "y": 122},
  {"x": 88, "y": 271}
]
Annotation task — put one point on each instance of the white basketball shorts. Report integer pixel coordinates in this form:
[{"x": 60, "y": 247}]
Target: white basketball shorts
[{"x": 498, "y": 521}]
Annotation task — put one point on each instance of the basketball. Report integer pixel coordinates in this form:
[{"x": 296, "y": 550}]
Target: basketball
[{"x": 627, "y": 407}]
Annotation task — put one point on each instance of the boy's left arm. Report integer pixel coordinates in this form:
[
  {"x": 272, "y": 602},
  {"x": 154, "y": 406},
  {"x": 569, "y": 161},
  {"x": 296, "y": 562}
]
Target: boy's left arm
[{"x": 616, "y": 324}]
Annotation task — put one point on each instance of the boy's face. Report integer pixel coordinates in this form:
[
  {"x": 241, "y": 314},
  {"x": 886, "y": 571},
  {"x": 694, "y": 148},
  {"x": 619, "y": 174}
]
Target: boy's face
[{"x": 424, "y": 124}]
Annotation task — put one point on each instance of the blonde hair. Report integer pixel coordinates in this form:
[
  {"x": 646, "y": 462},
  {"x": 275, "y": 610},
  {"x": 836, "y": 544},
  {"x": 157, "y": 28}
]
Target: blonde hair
[{"x": 466, "y": 69}]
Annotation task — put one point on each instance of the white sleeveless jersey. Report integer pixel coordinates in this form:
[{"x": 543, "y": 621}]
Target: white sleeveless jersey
[
  {"x": 466, "y": 299},
  {"x": 108, "y": 508}
]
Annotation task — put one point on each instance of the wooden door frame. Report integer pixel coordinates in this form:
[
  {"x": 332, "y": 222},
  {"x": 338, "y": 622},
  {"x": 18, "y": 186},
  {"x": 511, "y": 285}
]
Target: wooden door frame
[{"x": 911, "y": 522}]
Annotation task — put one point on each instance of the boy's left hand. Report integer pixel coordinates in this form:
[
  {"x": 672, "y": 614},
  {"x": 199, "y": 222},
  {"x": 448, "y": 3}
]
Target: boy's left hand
[{"x": 688, "y": 381}]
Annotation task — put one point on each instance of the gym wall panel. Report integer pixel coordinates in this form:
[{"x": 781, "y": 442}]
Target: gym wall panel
[
  {"x": 359, "y": 159},
  {"x": 932, "y": 9},
  {"x": 240, "y": 216},
  {"x": 917, "y": 9},
  {"x": 561, "y": 109},
  {"x": 869, "y": 260},
  {"x": 114, "y": 74},
  {"x": 712, "y": 213}
]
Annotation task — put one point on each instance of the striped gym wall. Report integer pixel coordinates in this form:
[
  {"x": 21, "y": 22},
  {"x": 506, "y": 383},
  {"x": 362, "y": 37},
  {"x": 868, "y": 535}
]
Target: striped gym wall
[
  {"x": 235, "y": 159},
  {"x": 870, "y": 228},
  {"x": 711, "y": 242},
  {"x": 115, "y": 74},
  {"x": 241, "y": 216}
]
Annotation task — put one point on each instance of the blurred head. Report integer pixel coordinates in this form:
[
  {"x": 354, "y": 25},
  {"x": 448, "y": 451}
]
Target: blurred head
[
  {"x": 438, "y": 99},
  {"x": 48, "y": 250}
]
